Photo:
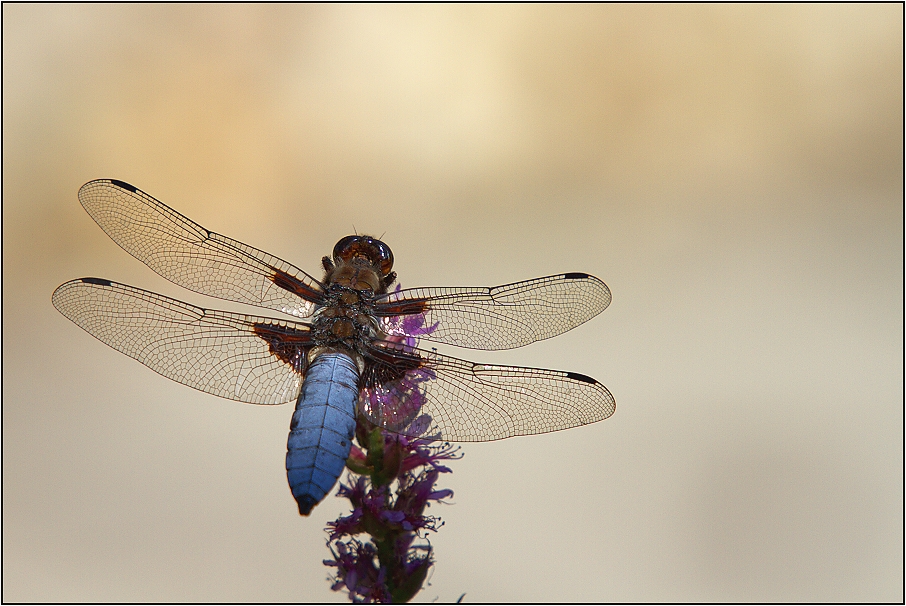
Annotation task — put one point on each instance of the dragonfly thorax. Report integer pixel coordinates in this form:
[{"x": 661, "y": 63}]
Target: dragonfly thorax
[{"x": 346, "y": 322}]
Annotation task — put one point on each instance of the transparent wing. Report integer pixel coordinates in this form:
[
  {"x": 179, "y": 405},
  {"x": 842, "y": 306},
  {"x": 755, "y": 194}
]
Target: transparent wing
[
  {"x": 187, "y": 254},
  {"x": 418, "y": 393},
  {"x": 235, "y": 356},
  {"x": 501, "y": 317}
]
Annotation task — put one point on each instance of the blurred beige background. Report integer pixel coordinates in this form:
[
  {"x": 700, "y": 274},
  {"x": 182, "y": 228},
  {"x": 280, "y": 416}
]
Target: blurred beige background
[{"x": 734, "y": 173}]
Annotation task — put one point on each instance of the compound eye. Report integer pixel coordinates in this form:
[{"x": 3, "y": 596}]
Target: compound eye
[
  {"x": 372, "y": 249},
  {"x": 385, "y": 256},
  {"x": 343, "y": 248}
]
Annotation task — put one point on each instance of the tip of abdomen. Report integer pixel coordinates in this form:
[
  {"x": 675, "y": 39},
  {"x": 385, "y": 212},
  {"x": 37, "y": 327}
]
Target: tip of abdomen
[{"x": 306, "y": 504}]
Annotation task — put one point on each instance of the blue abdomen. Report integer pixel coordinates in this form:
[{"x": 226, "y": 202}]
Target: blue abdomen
[{"x": 321, "y": 431}]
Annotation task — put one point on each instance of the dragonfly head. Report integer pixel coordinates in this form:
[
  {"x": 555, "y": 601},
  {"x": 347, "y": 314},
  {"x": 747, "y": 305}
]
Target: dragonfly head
[
  {"x": 364, "y": 247},
  {"x": 361, "y": 259}
]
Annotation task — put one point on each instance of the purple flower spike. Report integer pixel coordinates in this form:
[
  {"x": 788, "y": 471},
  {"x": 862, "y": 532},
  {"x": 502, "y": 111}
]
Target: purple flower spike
[
  {"x": 391, "y": 480},
  {"x": 389, "y": 511}
]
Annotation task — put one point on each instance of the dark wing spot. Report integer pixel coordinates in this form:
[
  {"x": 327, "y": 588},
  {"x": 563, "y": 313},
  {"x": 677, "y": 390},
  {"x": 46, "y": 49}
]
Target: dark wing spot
[
  {"x": 578, "y": 377},
  {"x": 294, "y": 285},
  {"x": 97, "y": 281},
  {"x": 386, "y": 364},
  {"x": 406, "y": 307},
  {"x": 124, "y": 185},
  {"x": 289, "y": 345},
  {"x": 575, "y": 275}
]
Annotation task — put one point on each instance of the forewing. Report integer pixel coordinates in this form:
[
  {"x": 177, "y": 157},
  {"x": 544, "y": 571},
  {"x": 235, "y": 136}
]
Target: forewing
[
  {"x": 187, "y": 254},
  {"x": 235, "y": 356},
  {"x": 424, "y": 393},
  {"x": 501, "y": 317}
]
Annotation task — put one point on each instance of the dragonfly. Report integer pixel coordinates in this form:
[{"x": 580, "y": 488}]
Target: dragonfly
[{"x": 345, "y": 349}]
